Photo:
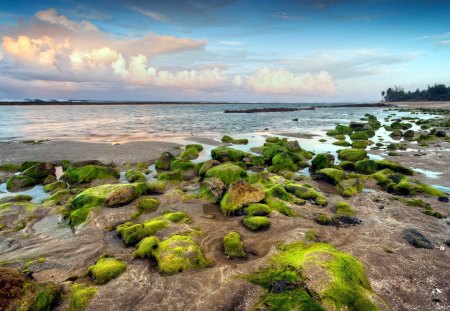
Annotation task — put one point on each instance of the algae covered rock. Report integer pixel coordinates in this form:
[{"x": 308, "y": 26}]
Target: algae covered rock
[
  {"x": 352, "y": 155},
  {"x": 9, "y": 167},
  {"x": 190, "y": 153},
  {"x": 320, "y": 161},
  {"x": 164, "y": 161},
  {"x": 135, "y": 176},
  {"x": 173, "y": 255},
  {"x": 314, "y": 276},
  {"x": 230, "y": 140},
  {"x": 350, "y": 187},
  {"x": 227, "y": 172},
  {"x": 88, "y": 173},
  {"x": 16, "y": 198},
  {"x": 306, "y": 193},
  {"x": 40, "y": 171},
  {"x": 256, "y": 223},
  {"x": 106, "y": 269},
  {"x": 257, "y": 209},
  {"x": 213, "y": 188},
  {"x": 240, "y": 193},
  {"x": 57, "y": 185},
  {"x": 158, "y": 187},
  {"x": 147, "y": 205},
  {"x": 80, "y": 296},
  {"x": 283, "y": 161},
  {"x": 396, "y": 167},
  {"x": 225, "y": 154},
  {"x": 366, "y": 166},
  {"x": 133, "y": 233},
  {"x": 19, "y": 182},
  {"x": 206, "y": 166},
  {"x": 331, "y": 175},
  {"x": 233, "y": 245}
]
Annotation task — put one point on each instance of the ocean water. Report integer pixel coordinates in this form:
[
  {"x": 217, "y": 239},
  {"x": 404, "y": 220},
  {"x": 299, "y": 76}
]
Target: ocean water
[{"x": 121, "y": 123}]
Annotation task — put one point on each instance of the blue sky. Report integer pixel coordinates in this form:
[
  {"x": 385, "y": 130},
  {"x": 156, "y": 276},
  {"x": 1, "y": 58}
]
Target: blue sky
[{"x": 222, "y": 50}]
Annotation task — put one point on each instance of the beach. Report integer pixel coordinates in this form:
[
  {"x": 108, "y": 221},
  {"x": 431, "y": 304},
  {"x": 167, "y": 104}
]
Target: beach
[{"x": 302, "y": 199}]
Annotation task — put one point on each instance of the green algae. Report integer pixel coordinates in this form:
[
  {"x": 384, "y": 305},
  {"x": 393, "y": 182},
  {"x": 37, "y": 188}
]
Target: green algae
[
  {"x": 9, "y": 167},
  {"x": 80, "y": 296},
  {"x": 57, "y": 185},
  {"x": 283, "y": 161},
  {"x": 19, "y": 181},
  {"x": 225, "y": 154},
  {"x": 135, "y": 176},
  {"x": 394, "y": 166},
  {"x": 306, "y": 193},
  {"x": 230, "y": 140},
  {"x": 147, "y": 205},
  {"x": 233, "y": 246},
  {"x": 227, "y": 172},
  {"x": 106, "y": 269},
  {"x": 89, "y": 173},
  {"x": 352, "y": 155},
  {"x": 257, "y": 209},
  {"x": 190, "y": 154},
  {"x": 157, "y": 187},
  {"x": 332, "y": 175},
  {"x": 256, "y": 223},
  {"x": 344, "y": 209},
  {"x": 366, "y": 166},
  {"x": 164, "y": 161}
]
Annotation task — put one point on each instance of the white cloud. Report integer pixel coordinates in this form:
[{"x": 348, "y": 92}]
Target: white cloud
[
  {"x": 286, "y": 16},
  {"x": 443, "y": 42},
  {"x": 284, "y": 82},
  {"x": 152, "y": 14},
  {"x": 51, "y": 16},
  {"x": 230, "y": 43},
  {"x": 1, "y": 55}
]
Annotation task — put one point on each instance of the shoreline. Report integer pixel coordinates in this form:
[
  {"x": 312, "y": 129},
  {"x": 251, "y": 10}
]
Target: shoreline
[{"x": 423, "y": 104}]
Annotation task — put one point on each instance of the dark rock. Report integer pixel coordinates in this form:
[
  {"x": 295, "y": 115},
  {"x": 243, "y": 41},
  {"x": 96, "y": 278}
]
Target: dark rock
[
  {"x": 282, "y": 286},
  {"x": 443, "y": 199},
  {"x": 417, "y": 239},
  {"x": 295, "y": 119},
  {"x": 40, "y": 171},
  {"x": 447, "y": 242},
  {"x": 381, "y": 207},
  {"x": 441, "y": 134},
  {"x": 349, "y": 220}
]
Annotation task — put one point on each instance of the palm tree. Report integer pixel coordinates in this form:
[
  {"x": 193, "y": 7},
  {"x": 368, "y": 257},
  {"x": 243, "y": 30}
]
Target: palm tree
[{"x": 382, "y": 96}]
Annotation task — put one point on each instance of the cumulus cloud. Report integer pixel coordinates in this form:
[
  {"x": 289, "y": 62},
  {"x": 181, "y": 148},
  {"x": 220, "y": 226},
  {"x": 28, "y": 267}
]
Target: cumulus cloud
[
  {"x": 51, "y": 16},
  {"x": 41, "y": 51},
  {"x": 284, "y": 82}
]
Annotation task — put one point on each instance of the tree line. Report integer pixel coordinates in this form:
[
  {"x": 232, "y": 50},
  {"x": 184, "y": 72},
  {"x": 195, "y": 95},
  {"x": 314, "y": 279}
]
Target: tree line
[{"x": 437, "y": 92}]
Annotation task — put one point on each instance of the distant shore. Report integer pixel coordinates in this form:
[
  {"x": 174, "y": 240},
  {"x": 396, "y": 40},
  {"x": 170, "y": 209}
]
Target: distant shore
[{"x": 439, "y": 105}]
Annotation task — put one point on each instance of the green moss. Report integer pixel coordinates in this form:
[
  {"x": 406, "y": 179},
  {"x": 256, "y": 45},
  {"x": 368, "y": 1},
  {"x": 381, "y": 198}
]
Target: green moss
[
  {"x": 16, "y": 198},
  {"x": 280, "y": 206},
  {"x": 343, "y": 129},
  {"x": 164, "y": 161},
  {"x": 225, "y": 154},
  {"x": 176, "y": 254},
  {"x": 106, "y": 269},
  {"x": 366, "y": 166},
  {"x": 257, "y": 160},
  {"x": 360, "y": 144},
  {"x": 344, "y": 209},
  {"x": 19, "y": 182},
  {"x": 256, "y": 223},
  {"x": 158, "y": 187},
  {"x": 272, "y": 139},
  {"x": 347, "y": 165},
  {"x": 431, "y": 190},
  {"x": 382, "y": 164},
  {"x": 57, "y": 185},
  {"x": 88, "y": 173},
  {"x": 132, "y": 233},
  {"x": 80, "y": 296},
  {"x": 9, "y": 167},
  {"x": 58, "y": 198},
  {"x": 233, "y": 245},
  {"x": 362, "y": 135},
  {"x": 272, "y": 150},
  {"x": 320, "y": 161},
  {"x": 332, "y": 133},
  {"x": 146, "y": 246},
  {"x": 44, "y": 297},
  {"x": 28, "y": 164},
  {"x": 310, "y": 235},
  {"x": 227, "y": 172},
  {"x": 352, "y": 154},
  {"x": 230, "y": 140},
  {"x": 177, "y": 217},
  {"x": 147, "y": 205},
  {"x": 346, "y": 289},
  {"x": 350, "y": 187},
  {"x": 135, "y": 176},
  {"x": 342, "y": 143},
  {"x": 322, "y": 219},
  {"x": 332, "y": 175},
  {"x": 306, "y": 193},
  {"x": 257, "y": 209},
  {"x": 189, "y": 154},
  {"x": 172, "y": 176},
  {"x": 283, "y": 161},
  {"x": 197, "y": 147}
]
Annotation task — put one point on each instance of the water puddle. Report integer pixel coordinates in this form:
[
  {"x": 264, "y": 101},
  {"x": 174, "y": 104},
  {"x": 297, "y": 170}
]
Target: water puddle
[{"x": 427, "y": 173}]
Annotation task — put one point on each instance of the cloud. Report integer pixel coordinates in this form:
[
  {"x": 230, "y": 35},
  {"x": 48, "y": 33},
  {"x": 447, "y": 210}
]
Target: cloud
[
  {"x": 286, "y": 16},
  {"x": 443, "y": 43},
  {"x": 284, "y": 82},
  {"x": 154, "y": 15},
  {"x": 51, "y": 16},
  {"x": 41, "y": 51},
  {"x": 442, "y": 39},
  {"x": 230, "y": 43}
]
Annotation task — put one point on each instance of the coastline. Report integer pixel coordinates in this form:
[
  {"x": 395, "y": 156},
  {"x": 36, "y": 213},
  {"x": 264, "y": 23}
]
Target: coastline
[{"x": 422, "y": 104}]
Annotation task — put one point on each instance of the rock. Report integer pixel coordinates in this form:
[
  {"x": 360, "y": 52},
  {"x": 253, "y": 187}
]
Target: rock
[
  {"x": 225, "y": 154},
  {"x": 320, "y": 161},
  {"x": 295, "y": 119},
  {"x": 227, "y": 172},
  {"x": 366, "y": 166},
  {"x": 352, "y": 155},
  {"x": 283, "y": 162},
  {"x": 257, "y": 209},
  {"x": 394, "y": 166},
  {"x": 256, "y": 223},
  {"x": 359, "y": 136},
  {"x": 57, "y": 185},
  {"x": 417, "y": 239},
  {"x": 230, "y": 140},
  {"x": 18, "y": 182},
  {"x": 147, "y": 205},
  {"x": 215, "y": 188},
  {"x": 190, "y": 154},
  {"x": 293, "y": 146},
  {"x": 280, "y": 286},
  {"x": 187, "y": 169},
  {"x": 122, "y": 195},
  {"x": 207, "y": 165},
  {"x": 443, "y": 199},
  {"x": 16, "y": 198},
  {"x": 135, "y": 176},
  {"x": 233, "y": 245},
  {"x": 440, "y": 134},
  {"x": 331, "y": 175},
  {"x": 49, "y": 179},
  {"x": 40, "y": 171},
  {"x": 164, "y": 161},
  {"x": 89, "y": 173},
  {"x": 356, "y": 125},
  {"x": 447, "y": 242},
  {"x": 240, "y": 193}
]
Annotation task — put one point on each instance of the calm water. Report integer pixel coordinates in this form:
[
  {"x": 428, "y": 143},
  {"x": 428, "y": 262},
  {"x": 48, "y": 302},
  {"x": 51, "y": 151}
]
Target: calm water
[{"x": 142, "y": 122}]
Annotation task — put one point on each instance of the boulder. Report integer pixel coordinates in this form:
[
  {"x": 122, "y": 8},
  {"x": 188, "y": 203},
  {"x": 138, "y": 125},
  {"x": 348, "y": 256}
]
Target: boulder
[
  {"x": 240, "y": 193},
  {"x": 214, "y": 188},
  {"x": 164, "y": 161}
]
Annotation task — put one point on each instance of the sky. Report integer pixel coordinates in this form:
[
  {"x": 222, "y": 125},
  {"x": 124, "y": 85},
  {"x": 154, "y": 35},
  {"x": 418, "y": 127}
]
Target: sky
[{"x": 221, "y": 50}]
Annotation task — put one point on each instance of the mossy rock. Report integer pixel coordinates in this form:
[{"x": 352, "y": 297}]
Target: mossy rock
[
  {"x": 135, "y": 176},
  {"x": 173, "y": 255},
  {"x": 272, "y": 139},
  {"x": 108, "y": 195},
  {"x": 256, "y": 223},
  {"x": 18, "y": 182},
  {"x": 164, "y": 161},
  {"x": 239, "y": 194},
  {"x": 40, "y": 171},
  {"x": 320, "y": 161},
  {"x": 204, "y": 167},
  {"x": 225, "y": 154},
  {"x": 147, "y": 205},
  {"x": 27, "y": 164},
  {"x": 80, "y": 296},
  {"x": 227, "y": 172},
  {"x": 332, "y": 133},
  {"x": 347, "y": 165},
  {"x": 89, "y": 173},
  {"x": 9, "y": 167},
  {"x": 343, "y": 129},
  {"x": 322, "y": 219},
  {"x": 257, "y": 209},
  {"x": 342, "y": 143},
  {"x": 362, "y": 135},
  {"x": 133, "y": 233},
  {"x": 314, "y": 276},
  {"x": 352, "y": 155},
  {"x": 189, "y": 154},
  {"x": 197, "y": 147},
  {"x": 272, "y": 150},
  {"x": 60, "y": 197},
  {"x": 172, "y": 176},
  {"x": 396, "y": 167},
  {"x": 177, "y": 217},
  {"x": 157, "y": 187},
  {"x": 344, "y": 209},
  {"x": 366, "y": 166},
  {"x": 417, "y": 239},
  {"x": 332, "y": 175},
  {"x": 306, "y": 193},
  {"x": 360, "y": 144},
  {"x": 106, "y": 269},
  {"x": 230, "y": 140},
  {"x": 182, "y": 166},
  {"x": 57, "y": 185},
  {"x": 350, "y": 187},
  {"x": 16, "y": 198},
  {"x": 233, "y": 245},
  {"x": 283, "y": 162}
]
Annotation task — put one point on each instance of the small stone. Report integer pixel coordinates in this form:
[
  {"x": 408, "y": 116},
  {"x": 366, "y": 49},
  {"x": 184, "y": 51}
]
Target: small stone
[
  {"x": 443, "y": 199},
  {"x": 381, "y": 207},
  {"x": 417, "y": 239}
]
